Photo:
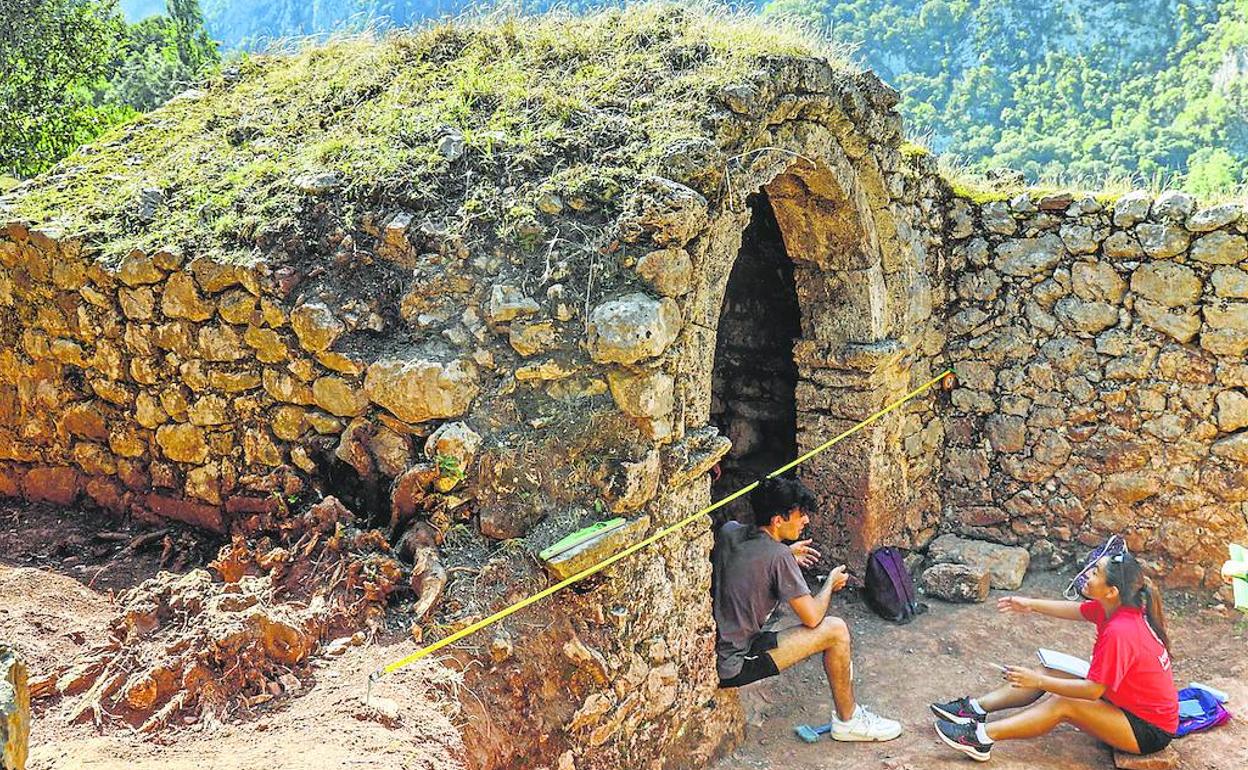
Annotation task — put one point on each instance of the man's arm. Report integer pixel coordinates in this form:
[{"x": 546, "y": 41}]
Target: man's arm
[
  {"x": 1054, "y": 609},
  {"x": 811, "y": 610}
]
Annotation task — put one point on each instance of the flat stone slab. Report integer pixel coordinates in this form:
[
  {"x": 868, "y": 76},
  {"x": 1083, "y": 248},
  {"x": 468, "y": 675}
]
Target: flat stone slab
[
  {"x": 1166, "y": 759},
  {"x": 1006, "y": 565}
]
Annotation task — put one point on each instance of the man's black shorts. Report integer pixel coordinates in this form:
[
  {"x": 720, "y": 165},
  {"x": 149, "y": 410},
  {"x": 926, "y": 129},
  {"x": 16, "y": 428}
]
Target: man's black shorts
[{"x": 758, "y": 663}]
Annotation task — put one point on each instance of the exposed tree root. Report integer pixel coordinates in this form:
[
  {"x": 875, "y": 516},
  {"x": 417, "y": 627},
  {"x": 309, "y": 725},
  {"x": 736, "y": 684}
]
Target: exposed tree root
[{"x": 202, "y": 644}]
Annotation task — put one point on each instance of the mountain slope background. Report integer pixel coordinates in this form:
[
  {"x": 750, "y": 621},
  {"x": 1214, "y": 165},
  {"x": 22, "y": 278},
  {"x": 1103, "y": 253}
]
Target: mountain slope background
[{"x": 1081, "y": 90}]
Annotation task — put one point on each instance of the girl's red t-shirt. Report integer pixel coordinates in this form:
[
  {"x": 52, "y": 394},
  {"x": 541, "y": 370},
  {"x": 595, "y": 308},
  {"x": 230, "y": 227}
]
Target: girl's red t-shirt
[{"x": 1133, "y": 664}]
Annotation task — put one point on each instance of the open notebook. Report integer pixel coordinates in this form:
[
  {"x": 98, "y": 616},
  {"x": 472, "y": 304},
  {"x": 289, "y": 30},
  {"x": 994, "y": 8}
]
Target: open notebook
[{"x": 1060, "y": 661}]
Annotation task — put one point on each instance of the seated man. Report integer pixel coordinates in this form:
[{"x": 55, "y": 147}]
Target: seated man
[{"x": 753, "y": 571}]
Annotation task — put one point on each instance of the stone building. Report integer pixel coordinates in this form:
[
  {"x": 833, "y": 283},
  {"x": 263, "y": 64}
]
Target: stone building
[{"x": 429, "y": 269}]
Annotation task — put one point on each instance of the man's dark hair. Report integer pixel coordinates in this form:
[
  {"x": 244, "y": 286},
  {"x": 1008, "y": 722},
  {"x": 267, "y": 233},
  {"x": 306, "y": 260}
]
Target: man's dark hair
[{"x": 776, "y": 497}]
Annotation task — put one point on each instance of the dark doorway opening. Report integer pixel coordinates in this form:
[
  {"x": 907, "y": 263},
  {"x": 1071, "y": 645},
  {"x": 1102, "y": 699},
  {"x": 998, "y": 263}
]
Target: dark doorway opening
[{"x": 753, "y": 382}]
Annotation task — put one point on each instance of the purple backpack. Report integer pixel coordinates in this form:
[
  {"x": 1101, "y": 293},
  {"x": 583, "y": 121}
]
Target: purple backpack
[
  {"x": 1199, "y": 710},
  {"x": 887, "y": 587}
]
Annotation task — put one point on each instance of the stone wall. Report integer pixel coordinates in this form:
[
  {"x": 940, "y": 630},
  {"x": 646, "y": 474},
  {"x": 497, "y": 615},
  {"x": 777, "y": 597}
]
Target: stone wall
[
  {"x": 492, "y": 397},
  {"x": 202, "y": 392},
  {"x": 1102, "y": 380},
  {"x": 222, "y": 396},
  {"x": 862, "y": 224}
]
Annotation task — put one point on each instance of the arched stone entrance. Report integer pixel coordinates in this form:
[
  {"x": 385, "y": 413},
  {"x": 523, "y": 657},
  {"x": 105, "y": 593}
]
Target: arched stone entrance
[
  {"x": 803, "y": 334},
  {"x": 754, "y": 379}
]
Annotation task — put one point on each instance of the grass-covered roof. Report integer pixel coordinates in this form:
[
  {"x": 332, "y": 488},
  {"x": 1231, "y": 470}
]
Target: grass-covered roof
[{"x": 574, "y": 106}]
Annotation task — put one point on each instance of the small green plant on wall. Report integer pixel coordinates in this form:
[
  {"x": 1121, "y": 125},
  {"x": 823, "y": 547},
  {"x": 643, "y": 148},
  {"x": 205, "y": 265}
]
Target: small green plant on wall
[{"x": 449, "y": 472}]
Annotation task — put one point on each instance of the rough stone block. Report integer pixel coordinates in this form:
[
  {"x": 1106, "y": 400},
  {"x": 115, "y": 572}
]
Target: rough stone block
[
  {"x": 1006, "y": 565},
  {"x": 419, "y": 390},
  {"x": 1166, "y": 283},
  {"x": 1182, "y": 326},
  {"x": 956, "y": 583},
  {"x": 1214, "y": 217},
  {"x": 1029, "y": 256},
  {"x": 59, "y": 485},
  {"x": 631, "y": 328},
  {"x": 195, "y": 514},
  {"x": 1097, "y": 282},
  {"x": 1090, "y": 317},
  {"x": 1220, "y": 248},
  {"x": 1131, "y": 208},
  {"x": 1232, "y": 410},
  {"x": 1174, "y": 206},
  {"x": 315, "y": 326},
  {"x": 1162, "y": 240}
]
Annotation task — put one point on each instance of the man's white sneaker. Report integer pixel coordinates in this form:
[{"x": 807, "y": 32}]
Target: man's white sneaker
[{"x": 864, "y": 726}]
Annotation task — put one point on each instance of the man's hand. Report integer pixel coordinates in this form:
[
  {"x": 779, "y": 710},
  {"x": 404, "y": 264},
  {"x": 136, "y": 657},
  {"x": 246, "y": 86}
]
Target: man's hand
[
  {"x": 805, "y": 555},
  {"x": 1019, "y": 604},
  {"x": 1025, "y": 678},
  {"x": 837, "y": 578}
]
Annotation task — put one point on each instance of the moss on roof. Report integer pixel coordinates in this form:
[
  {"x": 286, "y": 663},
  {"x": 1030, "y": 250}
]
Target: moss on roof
[{"x": 576, "y": 105}]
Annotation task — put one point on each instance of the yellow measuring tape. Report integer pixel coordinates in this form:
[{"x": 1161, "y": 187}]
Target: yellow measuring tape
[{"x": 537, "y": 597}]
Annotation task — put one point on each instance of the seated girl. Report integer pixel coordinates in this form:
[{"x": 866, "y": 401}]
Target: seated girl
[{"x": 1128, "y": 699}]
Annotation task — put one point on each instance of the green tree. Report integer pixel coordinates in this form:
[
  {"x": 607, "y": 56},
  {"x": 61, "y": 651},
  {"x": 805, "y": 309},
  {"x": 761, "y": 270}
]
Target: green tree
[
  {"x": 195, "y": 49},
  {"x": 69, "y": 69},
  {"x": 162, "y": 56},
  {"x": 1211, "y": 171},
  {"x": 55, "y": 57}
]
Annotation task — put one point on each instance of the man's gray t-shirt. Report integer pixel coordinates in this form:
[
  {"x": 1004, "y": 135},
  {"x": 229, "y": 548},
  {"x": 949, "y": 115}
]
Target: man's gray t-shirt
[{"x": 750, "y": 574}]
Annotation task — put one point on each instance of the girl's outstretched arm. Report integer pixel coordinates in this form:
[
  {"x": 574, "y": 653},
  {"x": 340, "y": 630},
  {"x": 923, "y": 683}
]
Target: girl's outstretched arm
[{"x": 1054, "y": 609}]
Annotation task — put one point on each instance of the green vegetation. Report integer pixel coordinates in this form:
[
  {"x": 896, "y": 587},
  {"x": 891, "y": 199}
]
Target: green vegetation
[
  {"x": 577, "y": 106},
  {"x": 1091, "y": 94},
  {"x": 448, "y": 466},
  {"x": 69, "y": 69},
  {"x": 1074, "y": 92},
  {"x": 256, "y": 24},
  {"x": 162, "y": 55},
  {"x": 54, "y": 57}
]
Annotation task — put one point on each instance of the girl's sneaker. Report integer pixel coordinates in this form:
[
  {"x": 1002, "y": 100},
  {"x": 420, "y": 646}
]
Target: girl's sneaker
[
  {"x": 958, "y": 711},
  {"x": 965, "y": 739}
]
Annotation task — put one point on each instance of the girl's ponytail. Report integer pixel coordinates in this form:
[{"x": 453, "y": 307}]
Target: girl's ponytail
[
  {"x": 1150, "y": 598},
  {"x": 1135, "y": 589}
]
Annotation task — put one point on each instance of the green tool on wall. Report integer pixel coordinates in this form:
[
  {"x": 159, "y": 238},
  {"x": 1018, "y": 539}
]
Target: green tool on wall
[{"x": 580, "y": 536}]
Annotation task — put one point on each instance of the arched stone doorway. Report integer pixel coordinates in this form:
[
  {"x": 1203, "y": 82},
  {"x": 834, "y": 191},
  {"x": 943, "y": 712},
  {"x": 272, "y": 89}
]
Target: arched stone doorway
[
  {"x": 754, "y": 379},
  {"x": 802, "y": 351}
]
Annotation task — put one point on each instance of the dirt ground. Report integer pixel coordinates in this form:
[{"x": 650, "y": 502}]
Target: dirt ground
[
  {"x": 55, "y": 601},
  {"x": 944, "y": 654},
  {"x": 47, "y": 611}
]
